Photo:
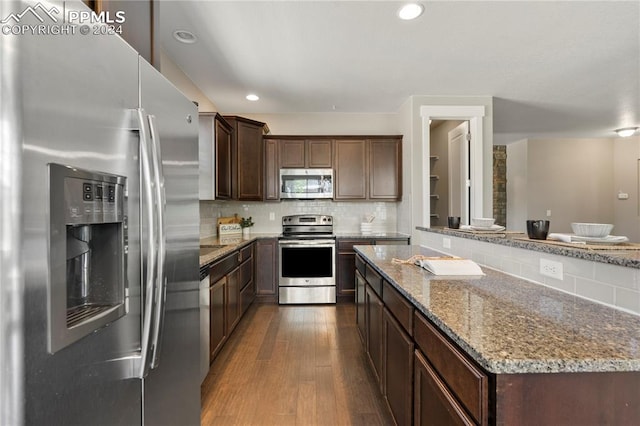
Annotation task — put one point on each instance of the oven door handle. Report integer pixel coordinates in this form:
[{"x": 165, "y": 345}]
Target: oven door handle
[{"x": 302, "y": 243}]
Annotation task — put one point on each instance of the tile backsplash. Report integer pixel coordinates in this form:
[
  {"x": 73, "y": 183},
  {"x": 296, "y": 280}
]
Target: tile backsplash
[{"x": 347, "y": 215}]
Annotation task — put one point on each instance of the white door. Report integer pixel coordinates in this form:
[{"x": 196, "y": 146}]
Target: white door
[{"x": 459, "y": 181}]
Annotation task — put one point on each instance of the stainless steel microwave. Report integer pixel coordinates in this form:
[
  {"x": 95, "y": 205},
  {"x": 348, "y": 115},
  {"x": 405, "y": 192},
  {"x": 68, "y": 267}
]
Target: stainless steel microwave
[{"x": 301, "y": 184}]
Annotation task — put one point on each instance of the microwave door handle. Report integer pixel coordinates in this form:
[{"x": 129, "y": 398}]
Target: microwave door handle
[
  {"x": 161, "y": 280},
  {"x": 148, "y": 214}
]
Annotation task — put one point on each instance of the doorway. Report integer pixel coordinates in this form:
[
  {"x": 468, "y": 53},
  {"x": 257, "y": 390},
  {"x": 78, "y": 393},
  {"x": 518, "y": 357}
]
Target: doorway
[{"x": 474, "y": 115}]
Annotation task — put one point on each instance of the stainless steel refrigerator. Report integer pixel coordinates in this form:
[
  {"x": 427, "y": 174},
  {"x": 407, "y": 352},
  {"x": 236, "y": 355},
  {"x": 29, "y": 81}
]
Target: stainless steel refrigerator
[{"x": 99, "y": 213}]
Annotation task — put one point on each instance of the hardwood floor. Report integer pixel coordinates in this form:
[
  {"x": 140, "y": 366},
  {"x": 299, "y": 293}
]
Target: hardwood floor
[{"x": 293, "y": 365}]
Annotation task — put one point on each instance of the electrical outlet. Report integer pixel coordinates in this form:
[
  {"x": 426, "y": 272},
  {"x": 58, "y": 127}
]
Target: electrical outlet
[
  {"x": 548, "y": 213},
  {"x": 446, "y": 242},
  {"x": 272, "y": 216},
  {"x": 551, "y": 269}
]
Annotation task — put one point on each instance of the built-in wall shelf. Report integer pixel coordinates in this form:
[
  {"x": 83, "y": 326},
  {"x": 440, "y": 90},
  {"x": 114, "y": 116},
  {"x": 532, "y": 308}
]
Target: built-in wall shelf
[
  {"x": 434, "y": 196},
  {"x": 434, "y": 177},
  {"x": 435, "y": 216},
  {"x": 434, "y": 157}
]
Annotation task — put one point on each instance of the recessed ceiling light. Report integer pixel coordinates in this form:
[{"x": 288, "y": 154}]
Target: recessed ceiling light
[
  {"x": 252, "y": 97},
  {"x": 184, "y": 36},
  {"x": 627, "y": 131},
  {"x": 410, "y": 11}
]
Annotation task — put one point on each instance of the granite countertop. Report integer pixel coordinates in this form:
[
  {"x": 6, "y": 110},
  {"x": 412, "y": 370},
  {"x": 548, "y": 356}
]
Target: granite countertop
[
  {"x": 627, "y": 258},
  {"x": 214, "y": 248},
  {"x": 509, "y": 325}
]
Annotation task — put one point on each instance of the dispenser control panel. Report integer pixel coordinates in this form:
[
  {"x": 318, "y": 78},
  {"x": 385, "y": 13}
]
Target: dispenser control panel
[{"x": 92, "y": 201}]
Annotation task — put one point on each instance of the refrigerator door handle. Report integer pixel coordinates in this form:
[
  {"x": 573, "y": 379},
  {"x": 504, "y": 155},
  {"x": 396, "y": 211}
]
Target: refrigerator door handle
[
  {"x": 148, "y": 198},
  {"x": 161, "y": 281}
]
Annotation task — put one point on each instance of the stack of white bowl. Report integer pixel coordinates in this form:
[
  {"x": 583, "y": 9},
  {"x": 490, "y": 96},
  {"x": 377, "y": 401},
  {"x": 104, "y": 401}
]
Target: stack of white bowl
[{"x": 366, "y": 228}]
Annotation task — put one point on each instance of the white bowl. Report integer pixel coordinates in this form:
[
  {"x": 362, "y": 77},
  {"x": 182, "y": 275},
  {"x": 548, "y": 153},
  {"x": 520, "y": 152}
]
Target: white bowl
[
  {"x": 482, "y": 222},
  {"x": 593, "y": 230}
]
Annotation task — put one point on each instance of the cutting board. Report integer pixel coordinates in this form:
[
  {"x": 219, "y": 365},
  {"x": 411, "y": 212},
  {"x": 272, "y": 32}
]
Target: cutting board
[{"x": 228, "y": 220}]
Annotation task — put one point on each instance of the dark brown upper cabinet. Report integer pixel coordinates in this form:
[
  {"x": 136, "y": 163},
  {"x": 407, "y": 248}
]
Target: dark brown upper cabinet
[
  {"x": 309, "y": 153},
  {"x": 368, "y": 168},
  {"x": 247, "y": 159}
]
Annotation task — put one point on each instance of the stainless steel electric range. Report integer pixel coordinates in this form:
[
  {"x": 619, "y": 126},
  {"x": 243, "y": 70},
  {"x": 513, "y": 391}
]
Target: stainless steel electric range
[{"x": 307, "y": 260}]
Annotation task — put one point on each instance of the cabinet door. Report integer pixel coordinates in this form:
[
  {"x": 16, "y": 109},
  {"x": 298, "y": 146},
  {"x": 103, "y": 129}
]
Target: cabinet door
[
  {"x": 217, "y": 335},
  {"x": 291, "y": 153},
  {"x": 250, "y": 167},
  {"x": 374, "y": 310},
  {"x": 223, "y": 161},
  {"x": 346, "y": 263},
  {"x": 319, "y": 154},
  {"x": 385, "y": 180},
  {"x": 398, "y": 369},
  {"x": 350, "y": 162},
  {"x": 272, "y": 171},
  {"x": 266, "y": 275},
  {"x": 346, "y": 278},
  {"x": 360, "y": 307},
  {"x": 433, "y": 402},
  {"x": 233, "y": 300}
]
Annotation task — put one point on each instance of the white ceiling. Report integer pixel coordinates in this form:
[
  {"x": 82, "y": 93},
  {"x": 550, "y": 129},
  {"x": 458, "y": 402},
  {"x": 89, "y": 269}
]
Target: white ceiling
[{"x": 554, "y": 68}]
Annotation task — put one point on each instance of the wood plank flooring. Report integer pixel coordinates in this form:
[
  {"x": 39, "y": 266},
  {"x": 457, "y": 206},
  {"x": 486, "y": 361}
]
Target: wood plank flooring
[{"x": 293, "y": 365}]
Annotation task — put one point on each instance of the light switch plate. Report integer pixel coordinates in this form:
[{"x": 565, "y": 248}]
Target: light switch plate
[{"x": 446, "y": 242}]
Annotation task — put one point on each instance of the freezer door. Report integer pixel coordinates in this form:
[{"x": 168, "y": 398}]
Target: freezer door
[
  {"x": 172, "y": 388},
  {"x": 79, "y": 94}
]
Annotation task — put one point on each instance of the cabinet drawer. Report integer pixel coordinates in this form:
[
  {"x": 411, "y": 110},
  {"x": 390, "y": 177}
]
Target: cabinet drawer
[
  {"x": 399, "y": 307},
  {"x": 462, "y": 376},
  {"x": 374, "y": 279},
  {"x": 246, "y": 253},
  {"x": 246, "y": 272},
  {"x": 223, "y": 267},
  {"x": 347, "y": 245}
]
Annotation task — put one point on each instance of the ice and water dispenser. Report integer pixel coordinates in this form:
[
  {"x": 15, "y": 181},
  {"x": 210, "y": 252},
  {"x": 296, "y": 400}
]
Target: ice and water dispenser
[{"x": 88, "y": 253}]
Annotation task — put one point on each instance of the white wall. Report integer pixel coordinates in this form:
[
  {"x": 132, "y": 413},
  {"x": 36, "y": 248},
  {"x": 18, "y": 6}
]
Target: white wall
[
  {"x": 517, "y": 200},
  {"x": 405, "y": 122},
  {"x": 179, "y": 79},
  {"x": 626, "y": 178},
  {"x": 577, "y": 179}
]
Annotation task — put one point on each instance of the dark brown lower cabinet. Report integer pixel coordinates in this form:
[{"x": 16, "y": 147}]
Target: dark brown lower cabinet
[
  {"x": 218, "y": 330},
  {"x": 360, "y": 307},
  {"x": 345, "y": 262},
  {"x": 233, "y": 300},
  {"x": 374, "y": 312},
  {"x": 398, "y": 369},
  {"x": 266, "y": 270},
  {"x": 433, "y": 402}
]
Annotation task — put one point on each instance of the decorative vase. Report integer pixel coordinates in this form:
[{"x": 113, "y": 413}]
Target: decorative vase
[{"x": 246, "y": 232}]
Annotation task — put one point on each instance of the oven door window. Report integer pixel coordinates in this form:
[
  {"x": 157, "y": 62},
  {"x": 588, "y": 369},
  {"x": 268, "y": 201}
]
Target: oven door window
[{"x": 307, "y": 262}]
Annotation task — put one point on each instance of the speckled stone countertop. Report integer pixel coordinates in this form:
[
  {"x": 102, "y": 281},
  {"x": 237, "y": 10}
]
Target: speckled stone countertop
[
  {"x": 509, "y": 325},
  {"x": 628, "y": 258},
  {"x": 214, "y": 248}
]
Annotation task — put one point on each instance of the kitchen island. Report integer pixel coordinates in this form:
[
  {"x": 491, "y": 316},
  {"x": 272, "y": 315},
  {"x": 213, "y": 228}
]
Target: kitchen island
[{"x": 494, "y": 349}]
